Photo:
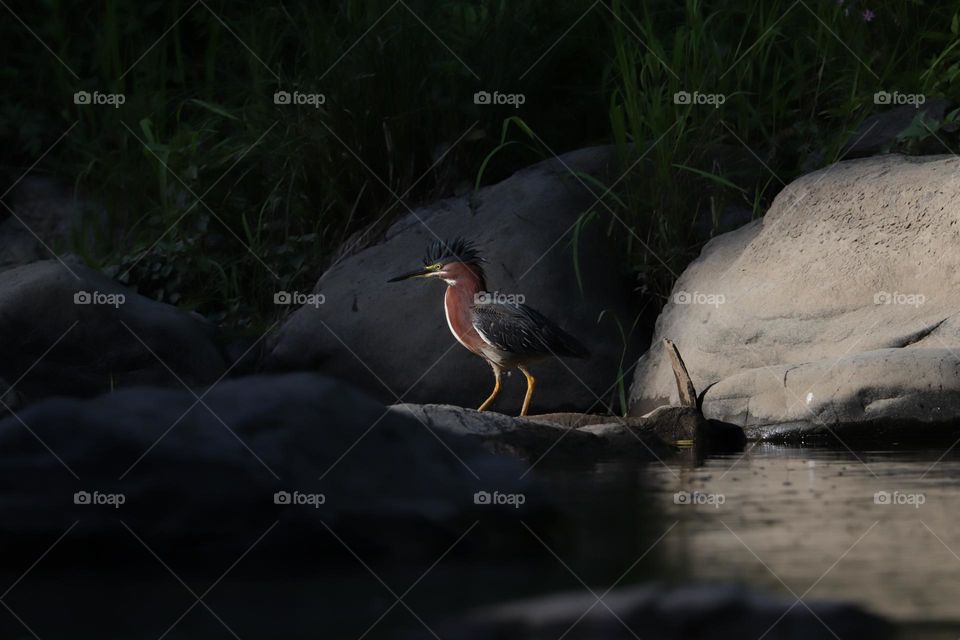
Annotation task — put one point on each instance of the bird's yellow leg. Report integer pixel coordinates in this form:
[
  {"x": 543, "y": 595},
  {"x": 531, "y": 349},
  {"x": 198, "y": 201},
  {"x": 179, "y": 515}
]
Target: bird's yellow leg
[
  {"x": 531, "y": 385},
  {"x": 496, "y": 390}
]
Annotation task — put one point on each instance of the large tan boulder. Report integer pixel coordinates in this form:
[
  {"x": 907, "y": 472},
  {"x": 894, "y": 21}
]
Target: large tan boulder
[{"x": 837, "y": 308}]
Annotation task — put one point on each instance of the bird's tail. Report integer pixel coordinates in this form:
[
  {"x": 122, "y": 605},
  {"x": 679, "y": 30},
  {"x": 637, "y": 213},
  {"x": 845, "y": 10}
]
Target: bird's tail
[{"x": 573, "y": 348}]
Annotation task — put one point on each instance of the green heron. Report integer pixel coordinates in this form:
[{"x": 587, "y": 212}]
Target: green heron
[{"x": 507, "y": 335}]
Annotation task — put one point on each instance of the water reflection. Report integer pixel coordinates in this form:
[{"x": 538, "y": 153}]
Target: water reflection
[{"x": 876, "y": 527}]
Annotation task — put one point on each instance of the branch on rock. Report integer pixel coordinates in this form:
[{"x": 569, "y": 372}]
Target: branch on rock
[{"x": 688, "y": 394}]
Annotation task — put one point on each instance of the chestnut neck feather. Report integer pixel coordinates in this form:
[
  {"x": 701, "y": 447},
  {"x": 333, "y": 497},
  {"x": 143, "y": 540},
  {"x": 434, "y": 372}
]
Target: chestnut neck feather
[
  {"x": 465, "y": 276},
  {"x": 464, "y": 282}
]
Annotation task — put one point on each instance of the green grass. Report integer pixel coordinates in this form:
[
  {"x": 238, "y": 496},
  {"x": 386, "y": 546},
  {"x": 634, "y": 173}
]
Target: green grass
[
  {"x": 284, "y": 189},
  {"x": 797, "y": 78}
]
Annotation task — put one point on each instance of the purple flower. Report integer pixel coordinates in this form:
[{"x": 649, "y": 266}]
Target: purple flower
[{"x": 869, "y": 15}]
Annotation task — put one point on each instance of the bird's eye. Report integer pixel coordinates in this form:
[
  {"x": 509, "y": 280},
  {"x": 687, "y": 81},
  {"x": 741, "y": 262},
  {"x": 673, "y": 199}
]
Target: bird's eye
[{"x": 435, "y": 267}]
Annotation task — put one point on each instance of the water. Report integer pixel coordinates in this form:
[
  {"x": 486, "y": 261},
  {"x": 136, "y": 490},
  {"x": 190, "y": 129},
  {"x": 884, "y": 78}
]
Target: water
[
  {"x": 793, "y": 521},
  {"x": 876, "y": 527}
]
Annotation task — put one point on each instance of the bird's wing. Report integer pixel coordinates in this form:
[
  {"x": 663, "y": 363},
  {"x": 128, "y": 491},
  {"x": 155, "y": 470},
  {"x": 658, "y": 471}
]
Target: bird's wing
[{"x": 521, "y": 330}]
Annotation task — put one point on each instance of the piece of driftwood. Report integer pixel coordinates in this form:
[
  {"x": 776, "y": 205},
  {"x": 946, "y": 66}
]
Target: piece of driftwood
[
  {"x": 665, "y": 426},
  {"x": 688, "y": 394}
]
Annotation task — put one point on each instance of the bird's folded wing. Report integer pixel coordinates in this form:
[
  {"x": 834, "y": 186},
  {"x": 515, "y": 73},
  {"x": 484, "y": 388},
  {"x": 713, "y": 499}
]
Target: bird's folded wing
[{"x": 510, "y": 328}]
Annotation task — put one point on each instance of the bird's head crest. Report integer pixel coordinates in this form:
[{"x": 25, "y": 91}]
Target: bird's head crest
[{"x": 456, "y": 250}]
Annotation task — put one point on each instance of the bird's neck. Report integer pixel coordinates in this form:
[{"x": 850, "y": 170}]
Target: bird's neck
[
  {"x": 458, "y": 302},
  {"x": 463, "y": 289},
  {"x": 465, "y": 280}
]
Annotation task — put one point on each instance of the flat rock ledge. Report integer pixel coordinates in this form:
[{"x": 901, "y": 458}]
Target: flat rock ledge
[
  {"x": 886, "y": 394},
  {"x": 653, "y": 436},
  {"x": 660, "y": 612}
]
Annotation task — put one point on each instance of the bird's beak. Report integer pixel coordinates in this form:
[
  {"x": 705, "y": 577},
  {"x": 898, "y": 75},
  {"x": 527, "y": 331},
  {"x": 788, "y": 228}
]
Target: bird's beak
[{"x": 418, "y": 273}]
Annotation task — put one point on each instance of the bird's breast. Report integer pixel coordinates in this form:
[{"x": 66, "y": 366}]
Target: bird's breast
[{"x": 457, "y": 305}]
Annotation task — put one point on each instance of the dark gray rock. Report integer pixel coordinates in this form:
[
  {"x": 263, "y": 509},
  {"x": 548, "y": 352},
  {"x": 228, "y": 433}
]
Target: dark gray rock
[
  {"x": 10, "y": 398},
  {"x": 878, "y": 133},
  {"x": 66, "y": 329},
  {"x": 731, "y": 217},
  {"x": 659, "y": 612},
  {"x": 384, "y": 337},
  {"x": 45, "y": 215},
  {"x": 570, "y": 419},
  {"x": 579, "y": 437},
  {"x": 523, "y": 438},
  {"x": 201, "y": 478}
]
